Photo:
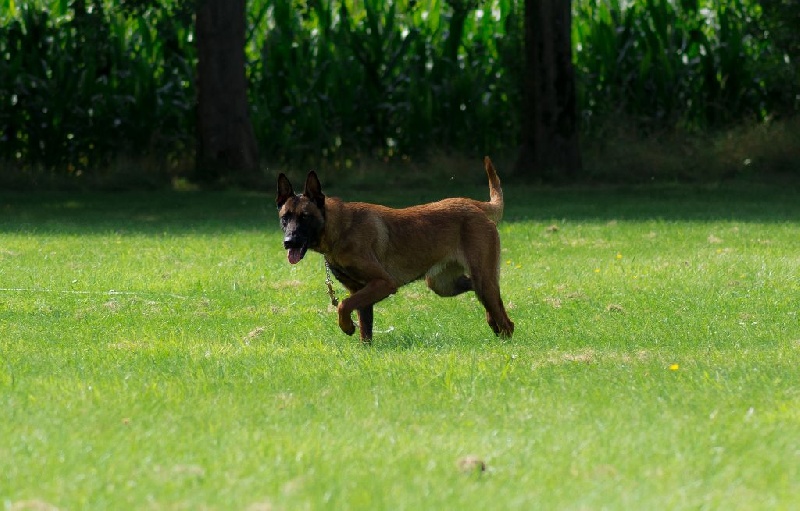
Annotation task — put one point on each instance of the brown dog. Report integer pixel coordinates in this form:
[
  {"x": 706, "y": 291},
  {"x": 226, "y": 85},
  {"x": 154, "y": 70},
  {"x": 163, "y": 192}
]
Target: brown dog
[{"x": 373, "y": 250}]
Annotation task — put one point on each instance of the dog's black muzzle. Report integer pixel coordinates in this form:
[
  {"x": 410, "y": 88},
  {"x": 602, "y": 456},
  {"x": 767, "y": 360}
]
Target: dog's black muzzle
[
  {"x": 293, "y": 241},
  {"x": 296, "y": 247}
]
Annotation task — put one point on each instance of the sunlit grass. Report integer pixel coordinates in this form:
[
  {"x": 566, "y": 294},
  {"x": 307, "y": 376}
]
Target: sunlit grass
[{"x": 157, "y": 351}]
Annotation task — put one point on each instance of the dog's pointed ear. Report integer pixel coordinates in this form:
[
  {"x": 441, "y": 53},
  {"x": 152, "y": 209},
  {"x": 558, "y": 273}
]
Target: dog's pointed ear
[
  {"x": 285, "y": 191},
  {"x": 313, "y": 190}
]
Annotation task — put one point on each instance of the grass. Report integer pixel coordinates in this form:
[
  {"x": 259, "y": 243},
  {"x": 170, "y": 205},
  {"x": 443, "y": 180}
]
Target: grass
[{"x": 158, "y": 352}]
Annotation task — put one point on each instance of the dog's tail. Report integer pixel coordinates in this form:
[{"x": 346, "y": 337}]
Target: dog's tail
[{"x": 493, "y": 208}]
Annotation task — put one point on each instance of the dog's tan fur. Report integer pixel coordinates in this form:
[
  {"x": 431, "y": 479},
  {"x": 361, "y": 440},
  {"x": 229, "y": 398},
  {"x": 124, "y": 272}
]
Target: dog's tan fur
[{"x": 373, "y": 250}]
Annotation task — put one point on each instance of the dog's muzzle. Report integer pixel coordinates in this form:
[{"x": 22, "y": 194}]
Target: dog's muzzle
[{"x": 295, "y": 247}]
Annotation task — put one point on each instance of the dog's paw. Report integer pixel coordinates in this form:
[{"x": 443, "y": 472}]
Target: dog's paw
[
  {"x": 347, "y": 327},
  {"x": 346, "y": 322}
]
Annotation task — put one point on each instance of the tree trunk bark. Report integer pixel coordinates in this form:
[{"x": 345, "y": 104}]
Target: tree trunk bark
[
  {"x": 226, "y": 145},
  {"x": 549, "y": 149}
]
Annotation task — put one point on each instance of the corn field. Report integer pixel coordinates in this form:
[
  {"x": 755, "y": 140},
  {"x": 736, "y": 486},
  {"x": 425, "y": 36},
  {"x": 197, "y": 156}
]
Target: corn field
[{"x": 85, "y": 83}]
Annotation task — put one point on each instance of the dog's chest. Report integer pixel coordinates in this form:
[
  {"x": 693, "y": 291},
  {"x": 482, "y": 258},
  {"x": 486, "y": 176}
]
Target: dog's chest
[{"x": 348, "y": 276}]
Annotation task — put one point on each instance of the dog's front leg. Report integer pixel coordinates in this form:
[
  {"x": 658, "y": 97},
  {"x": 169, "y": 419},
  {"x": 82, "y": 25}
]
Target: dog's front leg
[
  {"x": 362, "y": 301},
  {"x": 365, "y": 323}
]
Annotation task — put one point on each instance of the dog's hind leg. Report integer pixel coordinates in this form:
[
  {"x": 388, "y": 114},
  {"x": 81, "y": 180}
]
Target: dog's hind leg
[
  {"x": 449, "y": 280},
  {"x": 484, "y": 270},
  {"x": 496, "y": 314}
]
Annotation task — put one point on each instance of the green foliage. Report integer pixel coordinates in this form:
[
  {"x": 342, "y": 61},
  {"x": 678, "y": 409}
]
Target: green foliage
[
  {"x": 333, "y": 80},
  {"x": 158, "y": 352},
  {"x": 691, "y": 64},
  {"x": 84, "y": 84}
]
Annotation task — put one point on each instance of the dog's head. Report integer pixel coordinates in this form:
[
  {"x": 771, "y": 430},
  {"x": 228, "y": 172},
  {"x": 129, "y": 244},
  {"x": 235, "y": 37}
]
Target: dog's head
[{"x": 302, "y": 216}]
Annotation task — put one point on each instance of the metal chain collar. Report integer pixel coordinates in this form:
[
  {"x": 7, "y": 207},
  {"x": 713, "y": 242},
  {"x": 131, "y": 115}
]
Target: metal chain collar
[{"x": 329, "y": 283}]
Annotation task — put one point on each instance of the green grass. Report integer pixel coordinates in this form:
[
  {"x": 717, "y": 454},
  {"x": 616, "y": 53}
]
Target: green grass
[{"x": 158, "y": 352}]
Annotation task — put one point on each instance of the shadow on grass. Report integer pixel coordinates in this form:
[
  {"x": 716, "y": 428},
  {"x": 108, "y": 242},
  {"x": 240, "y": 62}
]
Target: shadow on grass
[
  {"x": 137, "y": 212},
  {"x": 424, "y": 340},
  {"x": 219, "y": 212}
]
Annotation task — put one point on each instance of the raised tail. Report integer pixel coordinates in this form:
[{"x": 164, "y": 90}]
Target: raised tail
[{"x": 493, "y": 208}]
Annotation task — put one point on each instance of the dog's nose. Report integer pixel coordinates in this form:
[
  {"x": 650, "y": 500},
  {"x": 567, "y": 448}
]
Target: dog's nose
[{"x": 291, "y": 241}]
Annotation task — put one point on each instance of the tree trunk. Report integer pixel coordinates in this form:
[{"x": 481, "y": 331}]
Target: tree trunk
[
  {"x": 226, "y": 145},
  {"x": 549, "y": 146}
]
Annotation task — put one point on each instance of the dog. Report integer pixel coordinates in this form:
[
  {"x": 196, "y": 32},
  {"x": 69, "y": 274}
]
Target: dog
[{"x": 373, "y": 250}]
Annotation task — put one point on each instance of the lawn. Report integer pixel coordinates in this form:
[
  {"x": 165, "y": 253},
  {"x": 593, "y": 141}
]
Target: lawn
[{"x": 157, "y": 351}]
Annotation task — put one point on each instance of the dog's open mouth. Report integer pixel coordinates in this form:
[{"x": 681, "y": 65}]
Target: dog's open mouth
[{"x": 296, "y": 253}]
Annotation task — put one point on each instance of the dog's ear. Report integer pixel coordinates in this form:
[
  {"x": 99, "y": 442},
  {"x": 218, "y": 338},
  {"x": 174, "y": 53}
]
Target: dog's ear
[
  {"x": 313, "y": 190},
  {"x": 285, "y": 191}
]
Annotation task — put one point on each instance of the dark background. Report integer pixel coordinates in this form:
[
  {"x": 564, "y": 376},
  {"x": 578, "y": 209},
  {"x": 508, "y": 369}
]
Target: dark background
[{"x": 138, "y": 93}]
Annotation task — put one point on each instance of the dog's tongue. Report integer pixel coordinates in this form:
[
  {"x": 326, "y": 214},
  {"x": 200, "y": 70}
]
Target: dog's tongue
[{"x": 295, "y": 254}]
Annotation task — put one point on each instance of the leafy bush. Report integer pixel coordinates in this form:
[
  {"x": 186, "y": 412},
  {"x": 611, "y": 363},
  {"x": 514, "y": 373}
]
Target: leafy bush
[
  {"x": 85, "y": 84},
  {"x": 688, "y": 64},
  {"x": 387, "y": 79}
]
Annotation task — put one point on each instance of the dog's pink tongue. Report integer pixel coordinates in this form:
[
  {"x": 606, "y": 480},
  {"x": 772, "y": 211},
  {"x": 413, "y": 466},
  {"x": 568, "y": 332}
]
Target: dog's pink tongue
[{"x": 295, "y": 254}]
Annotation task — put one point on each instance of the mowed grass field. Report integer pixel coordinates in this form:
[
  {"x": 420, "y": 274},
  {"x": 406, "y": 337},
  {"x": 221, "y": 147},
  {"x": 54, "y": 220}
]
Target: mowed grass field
[{"x": 157, "y": 351}]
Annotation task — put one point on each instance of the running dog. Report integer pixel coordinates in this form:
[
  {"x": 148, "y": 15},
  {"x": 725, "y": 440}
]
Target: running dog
[{"x": 373, "y": 250}]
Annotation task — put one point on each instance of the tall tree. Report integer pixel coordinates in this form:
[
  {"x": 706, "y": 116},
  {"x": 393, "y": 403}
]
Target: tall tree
[
  {"x": 226, "y": 145},
  {"x": 549, "y": 147}
]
